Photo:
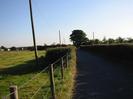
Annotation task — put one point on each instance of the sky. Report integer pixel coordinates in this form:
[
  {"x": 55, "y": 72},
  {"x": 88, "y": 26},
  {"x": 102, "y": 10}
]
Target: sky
[{"x": 106, "y": 18}]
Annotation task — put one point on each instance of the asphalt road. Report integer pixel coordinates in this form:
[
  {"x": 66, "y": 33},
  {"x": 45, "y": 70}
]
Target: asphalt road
[{"x": 99, "y": 78}]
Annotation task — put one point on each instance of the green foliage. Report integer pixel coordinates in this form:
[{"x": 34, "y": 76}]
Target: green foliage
[
  {"x": 119, "y": 40},
  {"x": 55, "y": 53},
  {"x": 3, "y": 47},
  {"x": 121, "y": 52},
  {"x": 129, "y": 40},
  {"x": 78, "y": 37},
  {"x": 13, "y": 48},
  {"x": 111, "y": 41},
  {"x": 66, "y": 91},
  {"x": 96, "y": 41}
]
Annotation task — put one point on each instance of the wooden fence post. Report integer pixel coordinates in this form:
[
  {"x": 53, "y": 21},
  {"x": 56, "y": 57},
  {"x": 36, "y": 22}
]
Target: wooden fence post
[
  {"x": 13, "y": 92},
  {"x": 52, "y": 83},
  {"x": 62, "y": 68},
  {"x": 67, "y": 60},
  {"x": 3, "y": 98}
]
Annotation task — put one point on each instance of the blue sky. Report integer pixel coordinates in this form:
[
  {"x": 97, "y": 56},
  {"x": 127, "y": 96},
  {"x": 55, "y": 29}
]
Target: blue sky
[{"x": 110, "y": 18}]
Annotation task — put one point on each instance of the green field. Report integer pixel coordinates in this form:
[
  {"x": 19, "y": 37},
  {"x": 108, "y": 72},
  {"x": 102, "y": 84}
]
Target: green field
[
  {"x": 17, "y": 68},
  {"x": 11, "y": 58}
]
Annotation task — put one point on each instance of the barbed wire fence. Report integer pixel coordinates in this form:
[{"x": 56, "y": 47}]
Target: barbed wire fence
[{"x": 45, "y": 90}]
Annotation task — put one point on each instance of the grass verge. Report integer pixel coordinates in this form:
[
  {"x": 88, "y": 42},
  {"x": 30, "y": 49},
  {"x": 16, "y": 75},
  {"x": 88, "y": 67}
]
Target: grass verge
[
  {"x": 66, "y": 91},
  {"x": 63, "y": 88}
]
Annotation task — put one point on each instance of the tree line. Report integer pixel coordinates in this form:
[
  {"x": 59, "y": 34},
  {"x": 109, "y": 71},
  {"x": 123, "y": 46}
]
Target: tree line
[
  {"x": 30, "y": 48},
  {"x": 79, "y": 37}
]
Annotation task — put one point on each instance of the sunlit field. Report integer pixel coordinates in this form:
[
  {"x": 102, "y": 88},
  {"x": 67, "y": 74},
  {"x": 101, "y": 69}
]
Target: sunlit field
[
  {"x": 16, "y": 68},
  {"x": 19, "y": 68},
  {"x": 12, "y": 58}
]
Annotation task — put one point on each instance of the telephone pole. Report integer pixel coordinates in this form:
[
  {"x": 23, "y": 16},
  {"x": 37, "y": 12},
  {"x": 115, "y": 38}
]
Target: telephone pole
[
  {"x": 33, "y": 31},
  {"x": 59, "y": 37},
  {"x": 93, "y": 36},
  {"x": 93, "y": 39}
]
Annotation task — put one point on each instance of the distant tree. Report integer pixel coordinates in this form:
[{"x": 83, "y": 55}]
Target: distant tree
[
  {"x": 110, "y": 41},
  {"x": 104, "y": 41},
  {"x": 129, "y": 40},
  {"x": 119, "y": 40},
  {"x": 3, "y": 47},
  {"x": 45, "y": 44},
  {"x": 78, "y": 37},
  {"x": 39, "y": 47},
  {"x": 53, "y": 44},
  {"x": 13, "y": 48},
  {"x": 96, "y": 41},
  {"x": 90, "y": 42}
]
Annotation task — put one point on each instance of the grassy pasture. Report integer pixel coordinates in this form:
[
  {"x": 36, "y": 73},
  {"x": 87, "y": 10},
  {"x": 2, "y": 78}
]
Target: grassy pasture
[
  {"x": 11, "y": 58},
  {"x": 16, "y": 68}
]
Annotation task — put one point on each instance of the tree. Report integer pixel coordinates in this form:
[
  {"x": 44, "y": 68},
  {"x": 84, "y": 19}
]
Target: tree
[
  {"x": 78, "y": 37},
  {"x": 96, "y": 41},
  {"x": 104, "y": 40},
  {"x": 129, "y": 40},
  {"x": 13, "y": 48},
  {"x": 119, "y": 40},
  {"x": 3, "y": 47},
  {"x": 110, "y": 41}
]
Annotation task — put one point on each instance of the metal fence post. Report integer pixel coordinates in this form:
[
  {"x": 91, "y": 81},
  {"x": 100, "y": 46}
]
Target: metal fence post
[
  {"x": 62, "y": 68},
  {"x": 13, "y": 92},
  {"x": 52, "y": 83}
]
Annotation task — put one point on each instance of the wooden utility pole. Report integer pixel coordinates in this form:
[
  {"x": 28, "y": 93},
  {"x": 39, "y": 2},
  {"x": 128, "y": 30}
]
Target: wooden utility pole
[
  {"x": 59, "y": 37},
  {"x": 93, "y": 39},
  {"x": 33, "y": 31},
  {"x": 93, "y": 36}
]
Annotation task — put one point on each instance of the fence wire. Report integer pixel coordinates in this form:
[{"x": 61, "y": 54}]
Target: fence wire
[
  {"x": 28, "y": 81},
  {"x": 55, "y": 70},
  {"x": 34, "y": 77},
  {"x": 37, "y": 91}
]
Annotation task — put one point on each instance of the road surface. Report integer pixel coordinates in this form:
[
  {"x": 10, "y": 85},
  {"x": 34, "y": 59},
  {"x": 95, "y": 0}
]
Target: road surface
[{"x": 98, "y": 78}]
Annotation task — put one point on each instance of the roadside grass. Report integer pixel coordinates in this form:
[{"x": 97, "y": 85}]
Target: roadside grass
[
  {"x": 24, "y": 71},
  {"x": 63, "y": 88},
  {"x": 67, "y": 85}
]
